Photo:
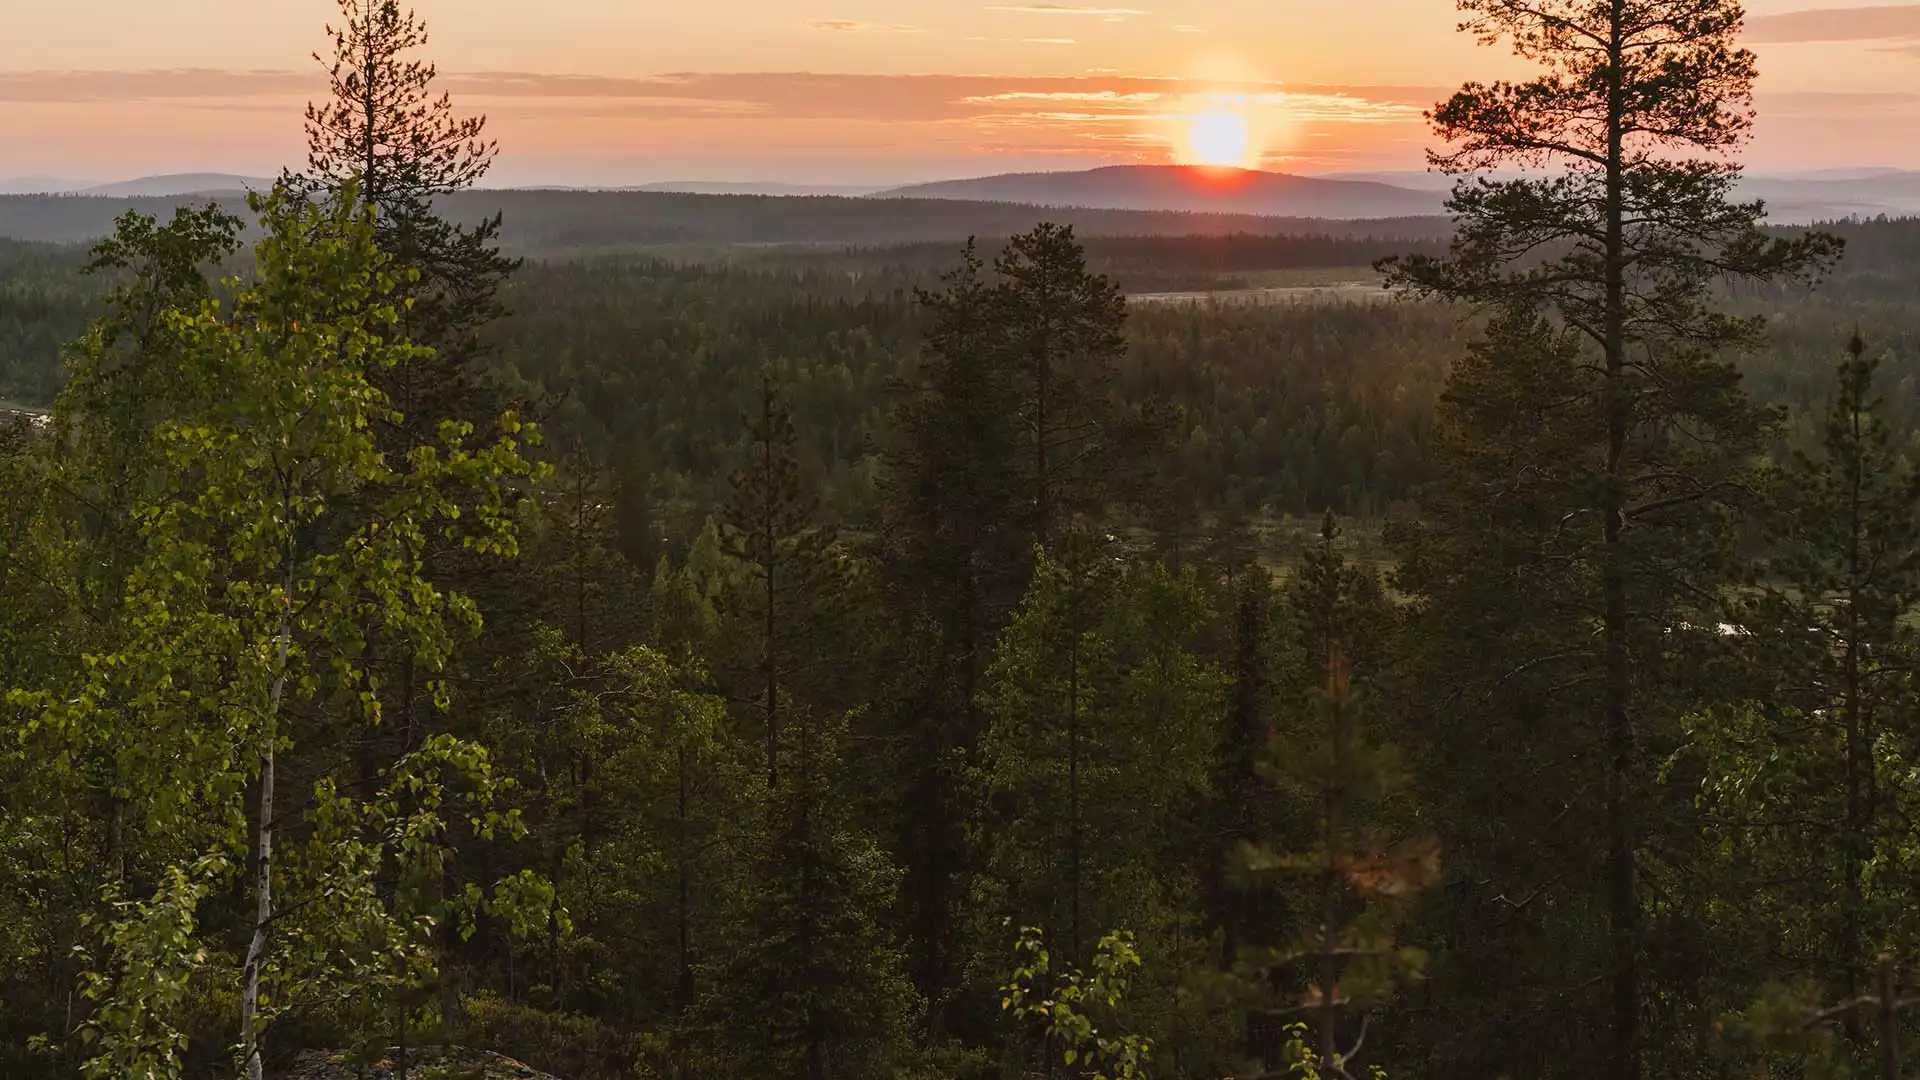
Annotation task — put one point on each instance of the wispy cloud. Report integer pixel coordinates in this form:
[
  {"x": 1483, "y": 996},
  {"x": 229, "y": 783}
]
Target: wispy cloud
[
  {"x": 1185, "y": 28},
  {"x": 1337, "y": 107},
  {"x": 1104, "y": 97},
  {"x": 717, "y": 116},
  {"x": 1050, "y": 41},
  {"x": 1881, "y": 23},
  {"x": 85, "y": 86},
  {"x": 810, "y": 95},
  {"x": 855, "y": 26},
  {"x": 1069, "y": 9}
]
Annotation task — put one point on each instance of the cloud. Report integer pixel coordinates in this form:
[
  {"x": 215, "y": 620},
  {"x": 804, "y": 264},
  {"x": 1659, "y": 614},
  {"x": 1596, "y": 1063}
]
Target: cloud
[
  {"x": 802, "y": 95},
  {"x": 1028, "y": 40},
  {"x": 716, "y": 117},
  {"x": 123, "y": 86},
  {"x": 1185, "y": 28},
  {"x": 1808, "y": 103},
  {"x": 1068, "y": 9},
  {"x": 1104, "y": 97},
  {"x": 1882, "y": 23},
  {"x": 855, "y": 26},
  {"x": 1136, "y": 104}
]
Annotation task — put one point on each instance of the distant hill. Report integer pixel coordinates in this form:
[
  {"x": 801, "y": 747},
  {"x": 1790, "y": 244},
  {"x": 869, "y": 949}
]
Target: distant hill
[
  {"x": 567, "y": 223},
  {"x": 1791, "y": 198},
  {"x": 1189, "y": 189},
  {"x": 1820, "y": 198},
  {"x": 39, "y": 185},
  {"x": 156, "y": 187},
  {"x": 724, "y": 187}
]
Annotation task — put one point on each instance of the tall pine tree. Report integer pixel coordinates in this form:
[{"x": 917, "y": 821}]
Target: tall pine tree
[
  {"x": 1639, "y": 109},
  {"x": 383, "y": 126}
]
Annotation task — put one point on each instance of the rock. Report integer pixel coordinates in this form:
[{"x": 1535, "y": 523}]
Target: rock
[{"x": 423, "y": 1063}]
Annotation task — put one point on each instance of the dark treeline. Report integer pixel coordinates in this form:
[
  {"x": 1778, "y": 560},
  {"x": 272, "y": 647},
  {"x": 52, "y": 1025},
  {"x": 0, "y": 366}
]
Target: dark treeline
[
  {"x": 1137, "y": 263},
  {"x": 44, "y": 304},
  {"x": 551, "y": 223},
  {"x": 749, "y": 670}
]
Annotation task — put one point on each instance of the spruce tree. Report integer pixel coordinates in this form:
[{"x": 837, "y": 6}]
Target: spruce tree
[
  {"x": 1638, "y": 112},
  {"x": 808, "y": 981},
  {"x": 953, "y": 565},
  {"x": 1335, "y": 854},
  {"x": 794, "y": 575},
  {"x": 1105, "y": 712},
  {"x": 1242, "y": 806},
  {"x": 1849, "y": 569},
  {"x": 1802, "y": 783},
  {"x": 1010, "y": 433}
]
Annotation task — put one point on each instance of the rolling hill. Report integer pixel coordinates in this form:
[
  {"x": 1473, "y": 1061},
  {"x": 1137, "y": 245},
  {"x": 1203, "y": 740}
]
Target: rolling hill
[
  {"x": 730, "y": 187},
  {"x": 199, "y": 184},
  {"x": 1791, "y": 198},
  {"x": 1188, "y": 189}
]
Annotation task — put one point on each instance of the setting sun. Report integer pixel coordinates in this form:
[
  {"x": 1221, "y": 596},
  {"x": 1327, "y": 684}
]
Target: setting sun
[{"x": 1219, "y": 138}]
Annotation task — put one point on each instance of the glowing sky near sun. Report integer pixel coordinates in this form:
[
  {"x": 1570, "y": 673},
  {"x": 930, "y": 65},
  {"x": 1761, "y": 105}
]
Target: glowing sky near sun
[{"x": 626, "y": 91}]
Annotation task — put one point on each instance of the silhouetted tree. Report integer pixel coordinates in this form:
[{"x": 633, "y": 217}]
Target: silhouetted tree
[{"x": 1640, "y": 107}]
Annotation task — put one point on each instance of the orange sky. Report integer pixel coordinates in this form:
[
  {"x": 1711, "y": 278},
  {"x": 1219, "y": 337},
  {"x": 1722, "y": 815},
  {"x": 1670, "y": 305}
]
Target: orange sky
[{"x": 629, "y": 91}]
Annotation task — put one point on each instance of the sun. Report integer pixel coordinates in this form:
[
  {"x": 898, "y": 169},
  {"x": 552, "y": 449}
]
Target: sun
[{"x": 1218, "y": 138}]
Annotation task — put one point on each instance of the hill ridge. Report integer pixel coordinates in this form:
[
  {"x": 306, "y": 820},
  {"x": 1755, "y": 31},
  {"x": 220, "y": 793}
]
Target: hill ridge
[{"x": 1189, "y": 189}]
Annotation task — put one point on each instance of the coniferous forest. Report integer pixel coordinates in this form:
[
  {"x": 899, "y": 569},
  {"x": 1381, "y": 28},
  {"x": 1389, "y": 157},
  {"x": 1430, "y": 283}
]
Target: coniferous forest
[{"x": 1429, "y": 653}]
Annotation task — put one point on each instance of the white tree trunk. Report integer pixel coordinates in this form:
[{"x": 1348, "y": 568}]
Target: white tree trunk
[{"x": 250, "y": 1041}]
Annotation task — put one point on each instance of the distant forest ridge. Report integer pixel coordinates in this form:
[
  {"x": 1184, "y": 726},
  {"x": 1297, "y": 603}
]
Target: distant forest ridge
[
  {"x": 1101, "y": 202},
  {"x": 1185, "y": 188},
  {"x": 543, "y": 223},
  {"x": 1789, "y": 199}
]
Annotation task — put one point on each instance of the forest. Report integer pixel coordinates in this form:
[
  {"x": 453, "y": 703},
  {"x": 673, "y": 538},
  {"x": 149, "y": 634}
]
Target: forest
[
  {"x": 579, "y": 223},
  {"x": 1098, "y": 650}
]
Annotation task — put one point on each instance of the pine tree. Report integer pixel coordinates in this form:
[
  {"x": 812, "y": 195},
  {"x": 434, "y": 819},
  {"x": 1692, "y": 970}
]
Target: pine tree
[
  {"x": 383, "y": 127},
  {"x": 1332, "y": 604},
  {"x": 384, "y": 133},
  {"x": 1061, "y": 329},
  {"x": 1641, "y": 105}
]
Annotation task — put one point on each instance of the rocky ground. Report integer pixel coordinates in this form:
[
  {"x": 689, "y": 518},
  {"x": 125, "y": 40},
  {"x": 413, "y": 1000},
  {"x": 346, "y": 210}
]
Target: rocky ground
[{"x": 423, "y": 1063}]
